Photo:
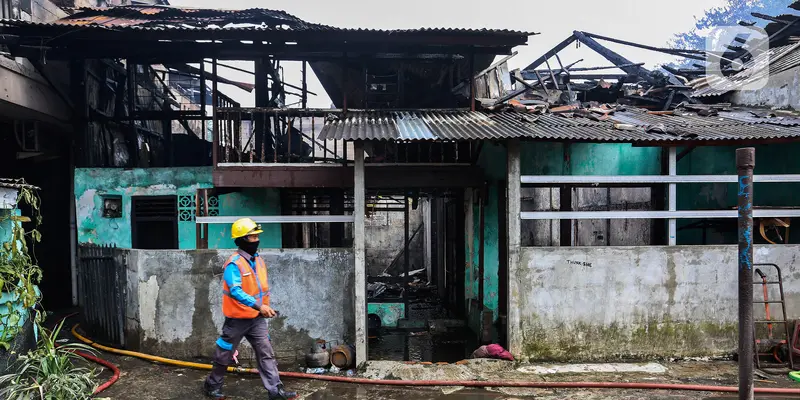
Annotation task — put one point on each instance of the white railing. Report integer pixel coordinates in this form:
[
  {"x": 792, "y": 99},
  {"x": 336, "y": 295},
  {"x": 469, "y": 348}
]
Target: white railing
[{"x": 648, "y": 180}]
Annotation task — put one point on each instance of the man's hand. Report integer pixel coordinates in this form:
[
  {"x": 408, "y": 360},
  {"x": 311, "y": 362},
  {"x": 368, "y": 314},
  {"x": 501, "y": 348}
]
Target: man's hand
[{"x": 267, "y": 311}]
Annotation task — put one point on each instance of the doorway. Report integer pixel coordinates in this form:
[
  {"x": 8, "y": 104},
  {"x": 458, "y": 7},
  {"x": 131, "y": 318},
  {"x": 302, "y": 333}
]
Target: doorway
[{"x": 415, "y": 255}]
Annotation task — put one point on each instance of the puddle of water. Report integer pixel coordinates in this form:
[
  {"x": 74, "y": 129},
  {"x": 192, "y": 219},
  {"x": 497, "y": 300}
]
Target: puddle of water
[{"x": 456, "y": 345}]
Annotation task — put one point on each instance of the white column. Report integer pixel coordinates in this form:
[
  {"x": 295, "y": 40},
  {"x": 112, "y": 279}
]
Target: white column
[
  {"x": 513, "y": 199},
  {"x": 673, "y": 196},
  {"x": 359, "y": 249}
]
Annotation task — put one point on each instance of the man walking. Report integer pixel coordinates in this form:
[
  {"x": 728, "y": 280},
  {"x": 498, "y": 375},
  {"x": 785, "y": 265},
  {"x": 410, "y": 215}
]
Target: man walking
[{"x": 245, "y": 303}]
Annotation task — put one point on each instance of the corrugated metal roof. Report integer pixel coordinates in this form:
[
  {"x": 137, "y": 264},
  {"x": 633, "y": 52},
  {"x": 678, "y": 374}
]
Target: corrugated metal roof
[
  {"x": 780, "y": 59},
  {"x": 471, "y": 125},
  {"x": 419, "y": 125},
  {"x": 15, "y": 184},
  {"x": 163, "y": 18}
]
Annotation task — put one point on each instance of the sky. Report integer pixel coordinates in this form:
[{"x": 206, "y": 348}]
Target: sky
[{"x": 642, "y": 21}]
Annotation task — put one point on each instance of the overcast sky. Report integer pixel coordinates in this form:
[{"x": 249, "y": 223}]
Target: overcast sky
[{"x": 642, "y": 21}]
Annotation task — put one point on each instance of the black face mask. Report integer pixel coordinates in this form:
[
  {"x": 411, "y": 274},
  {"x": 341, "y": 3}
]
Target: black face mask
[{"x": 248, "y": 247}]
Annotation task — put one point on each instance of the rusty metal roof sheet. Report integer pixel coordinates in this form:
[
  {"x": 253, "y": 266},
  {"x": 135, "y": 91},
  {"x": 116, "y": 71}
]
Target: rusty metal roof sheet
[
  {"x": 471, "y": 125},
  {"x": 180, "y": 18}
]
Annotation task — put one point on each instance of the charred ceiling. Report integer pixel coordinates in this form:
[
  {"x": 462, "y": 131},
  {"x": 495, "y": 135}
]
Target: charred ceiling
[{"x": 170, "y": 34}]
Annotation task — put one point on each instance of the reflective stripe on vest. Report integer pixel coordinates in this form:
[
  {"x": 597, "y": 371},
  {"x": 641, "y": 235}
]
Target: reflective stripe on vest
[{"x": 254, "y": 283}]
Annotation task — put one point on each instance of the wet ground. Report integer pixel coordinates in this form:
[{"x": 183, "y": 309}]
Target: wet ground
[
  {"x": 450, "y": 344},
  {"x": 142, "y": 380}
]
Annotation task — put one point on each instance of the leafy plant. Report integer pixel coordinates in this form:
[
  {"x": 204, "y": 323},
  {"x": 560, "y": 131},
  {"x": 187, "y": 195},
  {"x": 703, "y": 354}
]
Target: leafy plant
[
  {"x": 19, "y": 272},
  {"x": 49, "y": 372}
]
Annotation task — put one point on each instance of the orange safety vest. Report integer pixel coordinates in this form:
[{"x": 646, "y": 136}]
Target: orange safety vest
[{"x": 258, "y": 287}]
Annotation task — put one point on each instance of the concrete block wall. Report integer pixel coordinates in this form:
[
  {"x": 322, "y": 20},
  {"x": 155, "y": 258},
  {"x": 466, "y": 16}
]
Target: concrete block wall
[
  {"x": 174, "y": 300},
  {"x": 385, "y": 238},
  {"x": 607, "y": 303}
]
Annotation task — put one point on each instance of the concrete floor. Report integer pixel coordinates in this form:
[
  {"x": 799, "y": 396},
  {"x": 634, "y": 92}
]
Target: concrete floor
[{"x": 142, "y": 380}]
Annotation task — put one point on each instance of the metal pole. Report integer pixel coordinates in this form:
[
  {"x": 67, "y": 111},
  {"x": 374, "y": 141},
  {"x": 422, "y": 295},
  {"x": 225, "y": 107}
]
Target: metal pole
[{"x": 745, "y": 162}]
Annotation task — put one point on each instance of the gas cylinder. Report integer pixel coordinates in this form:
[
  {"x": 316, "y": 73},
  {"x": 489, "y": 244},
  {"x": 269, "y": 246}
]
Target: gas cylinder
[
  {"x": 344, "y": 356},
  {"x": 318, "y": 357}
]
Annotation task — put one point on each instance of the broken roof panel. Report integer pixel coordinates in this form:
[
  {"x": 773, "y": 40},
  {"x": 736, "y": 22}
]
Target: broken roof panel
[
  {"x": 641, "y": 127},
  {"x": 780, "y": 59},
  {"x": 163, "y": 18}
]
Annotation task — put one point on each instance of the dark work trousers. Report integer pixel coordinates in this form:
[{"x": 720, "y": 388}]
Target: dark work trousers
[{"x": 255, "y": 331}]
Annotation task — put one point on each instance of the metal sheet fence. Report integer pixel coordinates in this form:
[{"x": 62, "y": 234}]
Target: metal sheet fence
[{"x": 102, "y": 283}]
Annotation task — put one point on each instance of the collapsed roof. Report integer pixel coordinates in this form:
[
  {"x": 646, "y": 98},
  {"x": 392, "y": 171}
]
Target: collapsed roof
[
  {"x": 687, "y": 125},
  {"x": 162, "y": 34}
]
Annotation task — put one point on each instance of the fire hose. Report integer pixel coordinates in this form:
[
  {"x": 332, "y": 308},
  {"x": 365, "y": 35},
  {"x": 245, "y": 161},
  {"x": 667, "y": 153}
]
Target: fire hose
[
  {"x": 365, "y": 381},
  {"x": 113, "y": 368}
]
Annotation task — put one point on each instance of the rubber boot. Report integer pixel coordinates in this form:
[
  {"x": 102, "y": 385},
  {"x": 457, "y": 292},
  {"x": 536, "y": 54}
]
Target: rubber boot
[
  {"x": 282, "y": 394},
  {"x": 215, "y": 394}
]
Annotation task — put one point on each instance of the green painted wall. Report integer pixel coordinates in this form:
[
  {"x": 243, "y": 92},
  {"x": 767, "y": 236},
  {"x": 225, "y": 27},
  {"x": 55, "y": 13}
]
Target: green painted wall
[
  {"x": 91, "y": 184},
  {"x": 539, "y": 158},
  {"x": 770, "y": 159},
  {"x": 389, "y": 312}
]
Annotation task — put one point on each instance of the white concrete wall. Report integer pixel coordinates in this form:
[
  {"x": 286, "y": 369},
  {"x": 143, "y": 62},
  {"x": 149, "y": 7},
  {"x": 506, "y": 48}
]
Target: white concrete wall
[
  {"x": 782, "y": 91},
  {"x": 601, "y": 303}
]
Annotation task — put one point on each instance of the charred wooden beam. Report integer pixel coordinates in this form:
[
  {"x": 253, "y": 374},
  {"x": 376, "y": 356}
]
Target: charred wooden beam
[
  {"x": 387, "y": 177},
  {"x": 619, "y": 60},
  {"x": 163, "y": 52},
  {"x": 697, "y": 54},
  {"x": 56, "y": 34},
  {"x": 583, "y": 69},
  {"x": 550, "y": 53},
  {"x": 770, "y": 18}
]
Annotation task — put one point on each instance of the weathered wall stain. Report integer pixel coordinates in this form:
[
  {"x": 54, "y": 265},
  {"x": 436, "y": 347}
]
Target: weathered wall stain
[
  {"x": 176, "y": 309},
  {"x": 644, "y": 302}
]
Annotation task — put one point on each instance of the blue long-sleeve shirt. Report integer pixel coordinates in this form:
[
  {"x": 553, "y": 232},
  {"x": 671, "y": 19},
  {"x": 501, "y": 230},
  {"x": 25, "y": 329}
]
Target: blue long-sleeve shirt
[{"x": 233, "y": 278}]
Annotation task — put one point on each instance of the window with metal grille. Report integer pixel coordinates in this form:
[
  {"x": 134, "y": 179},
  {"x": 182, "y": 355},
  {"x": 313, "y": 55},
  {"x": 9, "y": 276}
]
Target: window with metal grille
[{"x": 154, "y": 222}]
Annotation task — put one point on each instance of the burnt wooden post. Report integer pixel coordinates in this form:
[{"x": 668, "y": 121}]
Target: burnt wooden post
[
  {"x": 336, "y": 231},
  {"x": 133, "y": 133},
  {"x": 262, "y": 100},
  {"x": 745, "y": 162}
]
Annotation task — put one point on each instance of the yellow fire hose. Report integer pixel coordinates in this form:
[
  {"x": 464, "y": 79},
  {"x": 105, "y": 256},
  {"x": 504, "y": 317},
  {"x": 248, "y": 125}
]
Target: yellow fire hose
[{"x": 162, "y": 360}]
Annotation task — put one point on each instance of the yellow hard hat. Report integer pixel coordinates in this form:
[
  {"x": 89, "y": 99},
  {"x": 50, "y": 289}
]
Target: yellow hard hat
[{"x": 244, "y": 227}]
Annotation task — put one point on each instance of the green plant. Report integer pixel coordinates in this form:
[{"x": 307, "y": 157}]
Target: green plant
[
  {"x": 19, "y": 272},
  {"x": 49, "y": 372}
]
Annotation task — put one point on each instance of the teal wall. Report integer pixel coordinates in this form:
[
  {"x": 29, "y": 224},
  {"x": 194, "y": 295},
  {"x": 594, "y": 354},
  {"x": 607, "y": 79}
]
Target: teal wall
[
  {"x": 93, "y": 183},
  {"x": 7, "y": 224},
  {"x": 770, "y": 159},
  {"x": 539, "y": 158}
]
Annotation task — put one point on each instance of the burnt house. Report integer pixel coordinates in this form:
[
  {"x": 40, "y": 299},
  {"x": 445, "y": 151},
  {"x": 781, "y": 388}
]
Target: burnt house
[{"x": 548, "y": 203}]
